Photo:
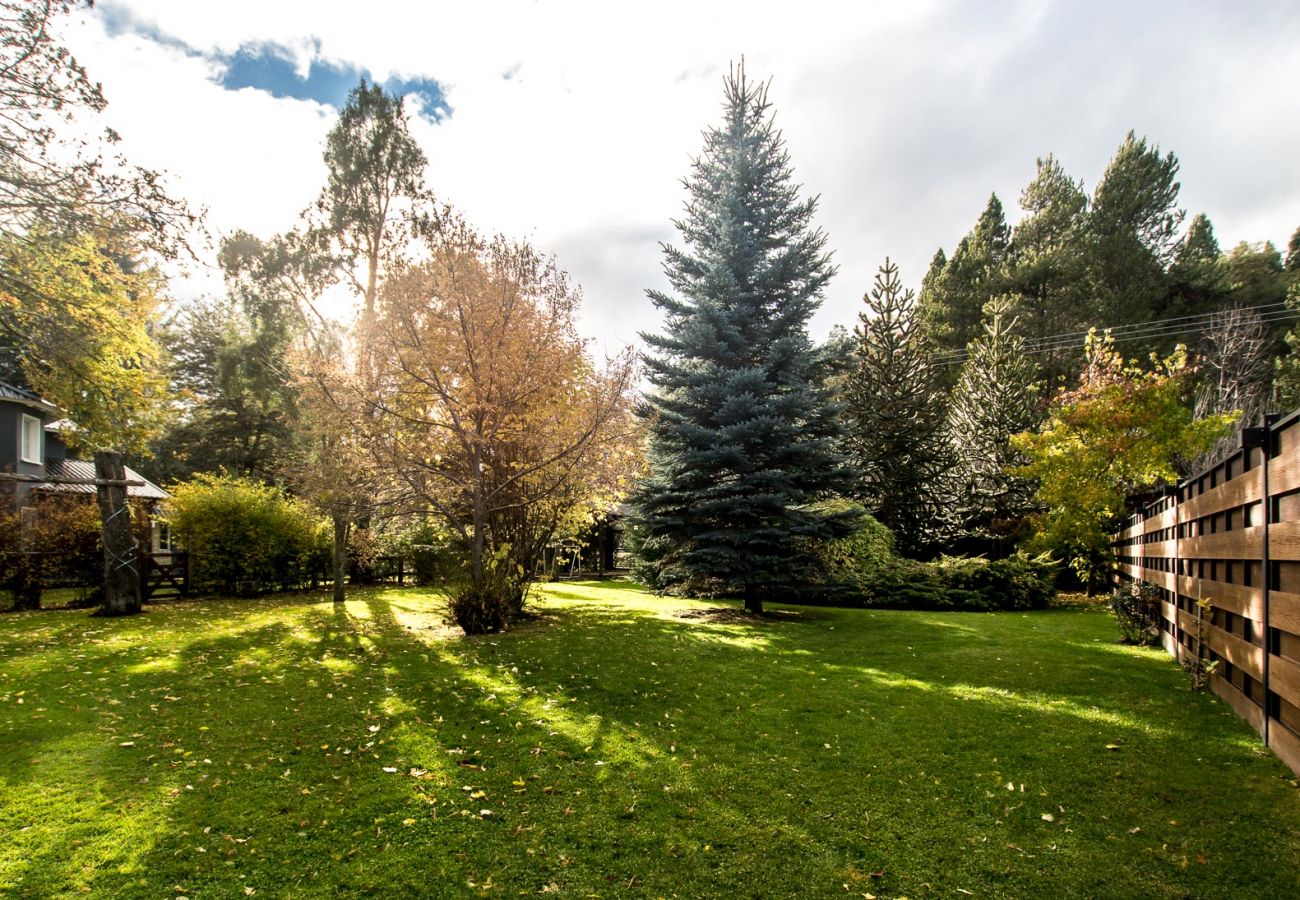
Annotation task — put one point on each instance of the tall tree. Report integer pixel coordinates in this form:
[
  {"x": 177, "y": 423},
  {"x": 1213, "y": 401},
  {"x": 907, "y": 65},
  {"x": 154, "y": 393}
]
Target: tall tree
[
  {"x": 1133, "y": 227},
  {"x": 1235, "y": 376},
  {"x": 374, "y": 199},
  {"x": 1047, "y": 273},
  {"x": 995, "y": 399},
  {"x": 952, "y": 310},
  {"x": 743, "y": 433},
  {"x": 897, "y": 433}
]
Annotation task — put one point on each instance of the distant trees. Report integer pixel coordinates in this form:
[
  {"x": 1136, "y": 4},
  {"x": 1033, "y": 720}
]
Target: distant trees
[{"x": 742, "y": 433}]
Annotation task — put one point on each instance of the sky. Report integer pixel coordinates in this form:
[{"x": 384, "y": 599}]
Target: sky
[{"x": 573, "y": 124}]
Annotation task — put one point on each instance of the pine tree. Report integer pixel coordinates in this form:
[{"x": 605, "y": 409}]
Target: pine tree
[
  {"x": 1047, "y": 252},
  {"x": 896, "y": 431},
  {"x": 1196, "y": 283},
  {"x": 995, "y": 398},
  {"x": 952, "y": 309},
  {"x": 1133, "y": 229},
  {"x": 743, "y": 433}
]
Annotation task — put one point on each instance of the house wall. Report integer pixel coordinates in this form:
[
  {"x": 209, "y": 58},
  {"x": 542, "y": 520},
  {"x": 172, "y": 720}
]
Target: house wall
[{"x": 11, "y": 417}]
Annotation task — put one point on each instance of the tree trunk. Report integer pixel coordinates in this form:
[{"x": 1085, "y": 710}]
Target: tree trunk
[
  {"x": 121, "y": 577},
  {"x": 341, "y": 524},
  {"x": 753, "y": 602}
]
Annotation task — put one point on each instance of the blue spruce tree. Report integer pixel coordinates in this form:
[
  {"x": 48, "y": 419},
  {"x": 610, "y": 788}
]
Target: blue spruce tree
[{"x": 743, "y": 435}]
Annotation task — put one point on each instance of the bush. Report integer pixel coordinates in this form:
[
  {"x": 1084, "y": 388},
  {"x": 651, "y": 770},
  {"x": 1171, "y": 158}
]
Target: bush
[
  {"x": 244, "y": 536},
  {"x": 860, "y": 557},
  {"x": 486, "y": 608},
  {"x": 1137, "y": 611},
  {"x": 434, "y": 555},
  {"x": 57, "y": 546}
]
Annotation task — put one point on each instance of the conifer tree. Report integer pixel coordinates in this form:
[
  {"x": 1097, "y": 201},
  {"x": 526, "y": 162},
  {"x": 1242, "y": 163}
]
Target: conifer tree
[
  {"x": 1292, "y": 264},
  {"x": 1047, "y": 250},
  {"x": 743, "y": 433},
  {"x": 1133, "y": 229},
  {"x": 993, "y": 400},
  {"x": 896, "y": 428},
  {"x": 952, "y": 307}
]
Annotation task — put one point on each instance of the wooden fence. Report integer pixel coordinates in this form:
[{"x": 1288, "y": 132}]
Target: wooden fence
[{"x": 1230, "y": 536}]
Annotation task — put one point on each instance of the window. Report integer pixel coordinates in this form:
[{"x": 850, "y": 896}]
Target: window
[{"x": 31, "y": 440}]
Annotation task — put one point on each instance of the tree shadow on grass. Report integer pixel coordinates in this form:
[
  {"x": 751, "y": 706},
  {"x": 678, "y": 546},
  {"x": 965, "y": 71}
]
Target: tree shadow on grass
[{"x": 621, "y": 751}]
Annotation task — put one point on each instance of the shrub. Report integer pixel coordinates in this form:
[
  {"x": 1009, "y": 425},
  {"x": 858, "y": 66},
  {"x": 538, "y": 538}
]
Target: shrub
[
  {"x": 859, "y": 557},
  {"x": 434, "y": 555},
  {"x": 486, "y": 607},
  {"x": 1137, "y": 612},
  {"x": 244, "y": 536},
  {"x": 58, "y": 545}
]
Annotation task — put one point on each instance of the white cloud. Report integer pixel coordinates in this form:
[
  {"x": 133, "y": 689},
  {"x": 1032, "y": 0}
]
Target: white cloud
[{"x": 902, "y": 116}]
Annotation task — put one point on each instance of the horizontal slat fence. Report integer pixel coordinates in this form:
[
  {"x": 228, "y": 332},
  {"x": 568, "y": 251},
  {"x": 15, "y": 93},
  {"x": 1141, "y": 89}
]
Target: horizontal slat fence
[{"x": 1231, "y": 536}]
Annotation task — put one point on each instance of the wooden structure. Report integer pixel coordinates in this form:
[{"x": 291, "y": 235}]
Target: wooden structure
[{"x": 1230, "y": 536}]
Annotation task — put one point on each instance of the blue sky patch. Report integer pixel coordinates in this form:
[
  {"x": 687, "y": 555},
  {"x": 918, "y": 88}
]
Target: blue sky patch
[{"x": 270, "y": 67}]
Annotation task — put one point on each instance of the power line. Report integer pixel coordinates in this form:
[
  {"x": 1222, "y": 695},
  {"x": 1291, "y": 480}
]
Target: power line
[{"x": 1182, "y": 325}]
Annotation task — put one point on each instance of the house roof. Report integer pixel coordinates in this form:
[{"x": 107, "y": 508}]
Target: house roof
[
  {"x": 26, "y": 398},
  {"x": 82, "y": 470}
]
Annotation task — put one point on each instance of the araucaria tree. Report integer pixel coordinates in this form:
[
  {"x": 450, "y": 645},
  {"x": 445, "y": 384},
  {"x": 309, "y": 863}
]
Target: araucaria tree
[
  {"x": 895, "y": 414},
  {"x": 993, "y": 400},
  {"x": 743, "y": 434}
]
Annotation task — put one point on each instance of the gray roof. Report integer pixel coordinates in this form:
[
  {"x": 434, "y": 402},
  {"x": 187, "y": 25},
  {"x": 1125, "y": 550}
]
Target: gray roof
[
  {"x": 82, "y": 470},
  {"x": 25, "y": 397}
]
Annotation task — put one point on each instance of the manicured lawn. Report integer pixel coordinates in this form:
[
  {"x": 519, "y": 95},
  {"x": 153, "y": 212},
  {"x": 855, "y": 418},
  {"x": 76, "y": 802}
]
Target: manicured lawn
[{"x": 282, "y": 747}]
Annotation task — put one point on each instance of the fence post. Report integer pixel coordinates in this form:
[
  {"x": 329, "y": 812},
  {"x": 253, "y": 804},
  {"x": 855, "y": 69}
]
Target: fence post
[{"x": 1262, "y": 439}]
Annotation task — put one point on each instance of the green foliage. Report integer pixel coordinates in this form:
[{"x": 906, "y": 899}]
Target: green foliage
[
  {"x": 434, "y": 553},
  {"x": 855, "y": 558},
  {"x": 246, "y": 536},
  {"x": 1137, "y": 612},
  {"x": 952, "y": 300},
  {"x": 742, "y": 435},
  {"x": 1122, "y": 430},
  {"x": 897, "y": 438},
  {"x": 1286, "y": 368},
  {"x": 970, "y": 583}
]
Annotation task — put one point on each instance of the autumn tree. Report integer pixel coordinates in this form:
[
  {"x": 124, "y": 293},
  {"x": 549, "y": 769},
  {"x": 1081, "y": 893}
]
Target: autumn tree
[
  {"x": 1122, "y": 430},
  {"x": 743, "y": 435},
  {"x": 488, "y": 410}
]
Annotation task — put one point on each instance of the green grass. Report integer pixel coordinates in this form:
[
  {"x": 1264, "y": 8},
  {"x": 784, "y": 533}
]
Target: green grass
[{"x": 282, "y": 747}]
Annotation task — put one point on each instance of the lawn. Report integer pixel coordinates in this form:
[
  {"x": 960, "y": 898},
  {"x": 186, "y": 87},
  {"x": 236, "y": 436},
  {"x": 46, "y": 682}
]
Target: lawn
[{"x": 621, "y": 745}]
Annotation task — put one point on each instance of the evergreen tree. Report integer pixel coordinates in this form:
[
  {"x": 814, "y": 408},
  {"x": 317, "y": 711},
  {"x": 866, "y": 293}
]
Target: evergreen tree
[
  {"x": 1133, "y": 233},
  {"x": 951, "y": 309},
  {"x": 1292, "y": 264},
  {"x": 896, "y": 431},
  {"x": 1196, "y": 284},
  {"x": 743, "y": 434},
  {"x": 995, "y": 398},
  {"x": 1047, "y": 275}
]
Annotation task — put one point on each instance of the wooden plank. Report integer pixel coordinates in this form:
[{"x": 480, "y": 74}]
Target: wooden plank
[
  {"x": 1245, "y": 488},
  {"x": 1239, "y": 702},
  {"x": 1284, "y": 742},
  {"x": 1284, "y": 678},
  {"x": 1284, "y": 611},
  {"x": 1243, "y": 655},
  {"x": 1235, "y": 598},
  {"x": 1240, "y": 543},
  {"x": 1284, "y": 473},
  {"x": 1162, "y": 550},
  {"x": 1284, "y": 541}
]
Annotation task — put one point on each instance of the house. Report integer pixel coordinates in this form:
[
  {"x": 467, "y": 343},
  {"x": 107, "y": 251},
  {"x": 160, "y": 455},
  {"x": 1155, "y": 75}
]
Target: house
[{"x": 32, "y": 444}]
